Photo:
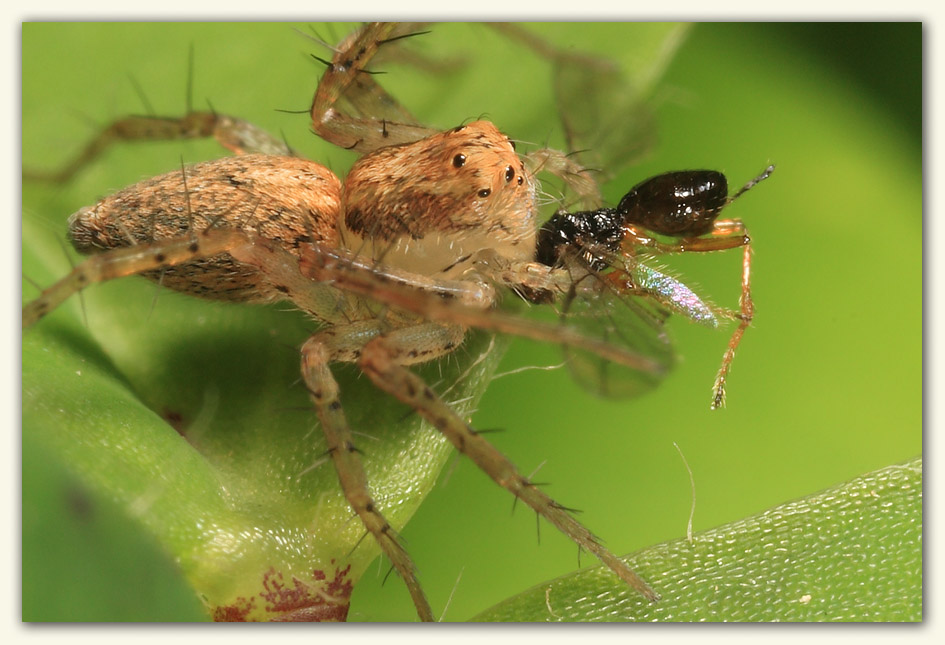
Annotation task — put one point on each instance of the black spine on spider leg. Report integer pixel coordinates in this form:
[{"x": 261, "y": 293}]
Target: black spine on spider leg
[
  {"x": 326, "y": 63},
  {"x": 402, "y": 36}
]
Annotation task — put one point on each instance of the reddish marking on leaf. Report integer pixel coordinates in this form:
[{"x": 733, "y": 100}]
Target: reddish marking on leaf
[
  {"x": 303, "y": 602},
  {"x": 321, "y": 600},
  {"x": 235, "y": 613},
  {"x": 340, "y": 586}
]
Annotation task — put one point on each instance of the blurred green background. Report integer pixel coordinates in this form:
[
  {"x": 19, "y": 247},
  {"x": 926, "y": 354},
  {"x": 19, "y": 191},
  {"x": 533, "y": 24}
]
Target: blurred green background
[{"x": 827, "y": 384}]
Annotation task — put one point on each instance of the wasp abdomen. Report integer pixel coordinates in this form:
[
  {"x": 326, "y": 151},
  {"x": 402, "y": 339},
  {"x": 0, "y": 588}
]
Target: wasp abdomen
[{"x": 684, "y": 203}]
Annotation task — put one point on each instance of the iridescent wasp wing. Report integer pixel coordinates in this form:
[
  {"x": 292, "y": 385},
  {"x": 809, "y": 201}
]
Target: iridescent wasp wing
[
  {"x": 617, "y": 296},
  {"x": 596, "y": 308}
]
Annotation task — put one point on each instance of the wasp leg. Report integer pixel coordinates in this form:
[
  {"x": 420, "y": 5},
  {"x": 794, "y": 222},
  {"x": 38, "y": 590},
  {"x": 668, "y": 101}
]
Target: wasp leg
[{"x": 726, "y": 234}]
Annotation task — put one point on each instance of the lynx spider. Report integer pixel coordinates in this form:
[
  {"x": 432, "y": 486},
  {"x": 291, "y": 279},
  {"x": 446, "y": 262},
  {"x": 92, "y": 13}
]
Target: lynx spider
[{"x": 336, "y": 273}]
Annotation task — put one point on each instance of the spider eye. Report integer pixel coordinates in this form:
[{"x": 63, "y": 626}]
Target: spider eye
[
  {"x": 485, "y": 192},
  {"x": 509, "y": 173},
  {"x": 459, "y": 161},
  {"x": 512, "y": 143}
]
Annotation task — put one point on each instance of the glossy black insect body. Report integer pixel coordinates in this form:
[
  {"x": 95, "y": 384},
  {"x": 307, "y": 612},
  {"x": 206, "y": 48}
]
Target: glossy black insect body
[
  {"x": 685, "y": 203},
  {"x": 564, "y": 230},
  {"x": 680, "y": 204}
]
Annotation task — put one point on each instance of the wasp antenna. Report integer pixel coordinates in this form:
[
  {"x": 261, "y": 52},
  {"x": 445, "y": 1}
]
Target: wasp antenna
[{"x": 754, "y": 182}]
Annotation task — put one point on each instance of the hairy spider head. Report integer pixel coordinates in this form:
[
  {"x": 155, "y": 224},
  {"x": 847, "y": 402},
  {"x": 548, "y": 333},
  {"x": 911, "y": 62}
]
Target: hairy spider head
[{"x": 427, "y": 205}]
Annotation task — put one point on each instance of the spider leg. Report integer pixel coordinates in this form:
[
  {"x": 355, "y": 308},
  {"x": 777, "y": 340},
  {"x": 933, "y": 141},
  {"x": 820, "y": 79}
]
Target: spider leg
[
  {"x": 605, "y": 114},
  {"x": 377, "y": 120},
  {"x": 317, "y": 353},
  {"x": 334, "y": 267},
  {"x": 279, "y": 267},
  {"x": 576, "y": 177},
  {"x": 236, "y": 135},
  {"x": 747, "y": 308},
  {"x": 132, "y": 260},
  {"x": 383, "y": 360}
]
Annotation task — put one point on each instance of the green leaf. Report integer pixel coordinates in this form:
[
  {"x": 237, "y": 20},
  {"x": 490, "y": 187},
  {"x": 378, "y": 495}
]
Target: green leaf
[
  {"x": 850, "y": 553},
  {"x": 826, "y": 287}
]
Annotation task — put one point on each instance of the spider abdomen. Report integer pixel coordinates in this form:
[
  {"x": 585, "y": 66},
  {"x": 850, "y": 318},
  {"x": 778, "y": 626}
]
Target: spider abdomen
[{"x": 284, "y": 199}]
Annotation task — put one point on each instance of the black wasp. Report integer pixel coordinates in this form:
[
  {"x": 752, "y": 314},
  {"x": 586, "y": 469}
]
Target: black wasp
[{"x": 606, "y": 249}]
